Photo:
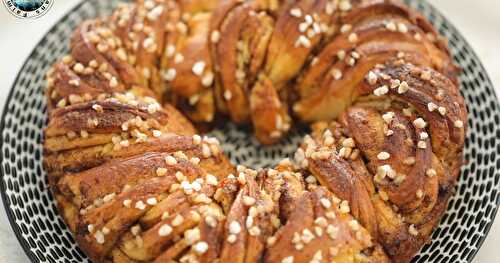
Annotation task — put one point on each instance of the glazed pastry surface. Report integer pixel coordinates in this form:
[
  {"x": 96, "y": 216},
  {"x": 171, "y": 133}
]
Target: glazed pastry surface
[{"x": 136, "y": 181}]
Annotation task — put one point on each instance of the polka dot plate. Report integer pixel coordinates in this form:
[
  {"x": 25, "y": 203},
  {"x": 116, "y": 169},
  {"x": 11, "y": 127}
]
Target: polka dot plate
[{"x": 45, "y": 238}]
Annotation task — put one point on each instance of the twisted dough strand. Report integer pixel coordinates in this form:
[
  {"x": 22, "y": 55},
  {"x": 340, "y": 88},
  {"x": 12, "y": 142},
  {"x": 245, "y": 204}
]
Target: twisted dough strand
[{"x": 135, "y": 183}]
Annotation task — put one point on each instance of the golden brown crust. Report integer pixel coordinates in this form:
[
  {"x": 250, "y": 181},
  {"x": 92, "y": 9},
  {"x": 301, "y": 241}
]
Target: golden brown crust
[
  {"x": 135, "y": 183},
  {"x": 186, "y": 62},
  {"x": 385, "y": 160},
  {"x": 269, "y": 115},
  {"x": 239, "y": 46}
]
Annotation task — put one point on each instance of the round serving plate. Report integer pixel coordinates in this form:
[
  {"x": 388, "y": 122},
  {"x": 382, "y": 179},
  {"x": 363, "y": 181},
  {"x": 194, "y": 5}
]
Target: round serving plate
[{"x": 45, "y": 238}]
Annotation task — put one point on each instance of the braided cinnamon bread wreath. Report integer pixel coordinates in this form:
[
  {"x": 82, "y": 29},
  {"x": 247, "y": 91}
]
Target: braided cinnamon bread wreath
[{"x": 136, "y": 183}]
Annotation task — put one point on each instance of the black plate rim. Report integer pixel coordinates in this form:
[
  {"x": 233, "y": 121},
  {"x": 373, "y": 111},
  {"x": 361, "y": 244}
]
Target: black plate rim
[
  {"x": 6, "y": 203},
  {"x": 497, "y": 112}
]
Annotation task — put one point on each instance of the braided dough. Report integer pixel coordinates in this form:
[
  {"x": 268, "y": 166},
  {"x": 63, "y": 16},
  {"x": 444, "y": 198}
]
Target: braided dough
[{"x": 136, "y": 183}]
